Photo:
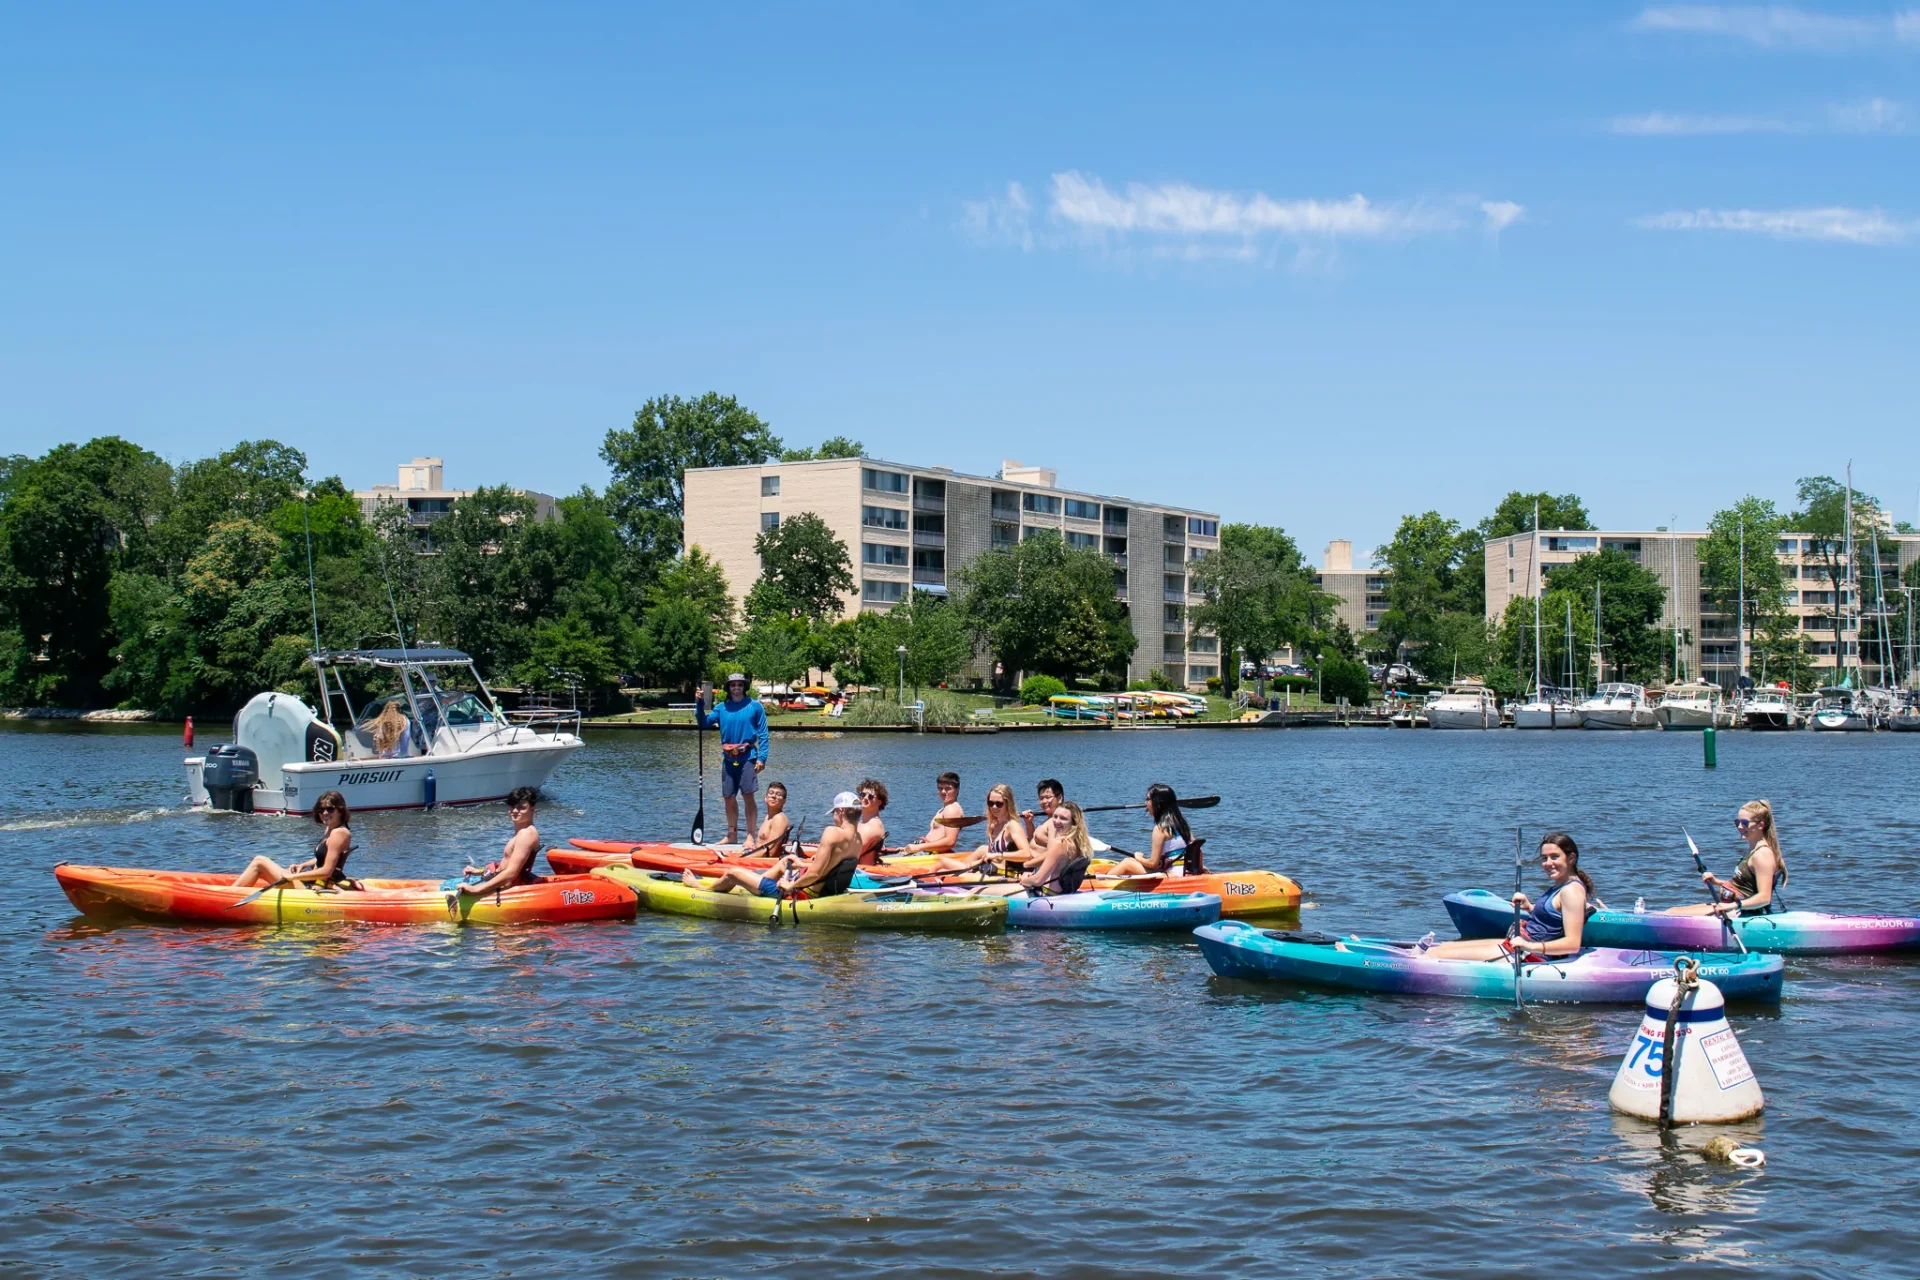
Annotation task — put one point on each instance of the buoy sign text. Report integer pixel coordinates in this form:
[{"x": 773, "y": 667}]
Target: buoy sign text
[{"x": 1723, "y": 1055}]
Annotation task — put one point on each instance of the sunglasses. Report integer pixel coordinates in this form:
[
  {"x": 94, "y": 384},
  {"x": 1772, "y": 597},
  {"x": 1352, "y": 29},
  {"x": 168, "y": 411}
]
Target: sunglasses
[
  {"x": 1743, "y": 823},
  {"x": 327, "y": 808},
  {"x": 996, "y": 804}
]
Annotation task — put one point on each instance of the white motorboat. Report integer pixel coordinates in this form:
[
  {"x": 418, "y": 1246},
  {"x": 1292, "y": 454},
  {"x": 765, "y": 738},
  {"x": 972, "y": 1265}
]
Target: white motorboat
[
  {"x": 1467, "y": 704},
  {"x": 1839, "y": 711},
  {"x": 1906, "y": 716},
  {"x": 1695, "y": 704},
  {"x": 1769, "y": 709},
  {"x": 1549, "y": 708},
  {"x": 1617, "y": 706},
  {"x": 454, "y": 746}
]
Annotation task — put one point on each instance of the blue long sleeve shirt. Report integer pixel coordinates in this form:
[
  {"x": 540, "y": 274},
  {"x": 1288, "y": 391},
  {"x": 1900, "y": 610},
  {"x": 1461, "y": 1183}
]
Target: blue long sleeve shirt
[{"x": 742, "y": 721}]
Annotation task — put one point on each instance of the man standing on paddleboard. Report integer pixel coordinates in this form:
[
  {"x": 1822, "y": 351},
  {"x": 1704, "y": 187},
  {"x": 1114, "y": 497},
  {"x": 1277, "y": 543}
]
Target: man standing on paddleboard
[{"x": 742, "y": 722}]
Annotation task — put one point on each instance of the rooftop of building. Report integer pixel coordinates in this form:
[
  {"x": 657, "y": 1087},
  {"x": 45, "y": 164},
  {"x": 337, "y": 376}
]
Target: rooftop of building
[{"x": 1042, "y": 478}]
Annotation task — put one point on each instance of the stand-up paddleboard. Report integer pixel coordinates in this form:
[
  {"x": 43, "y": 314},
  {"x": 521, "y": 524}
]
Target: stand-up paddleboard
[
  {"x": 1479, "y": 914},
  {"x": 1597, "y": 975}
]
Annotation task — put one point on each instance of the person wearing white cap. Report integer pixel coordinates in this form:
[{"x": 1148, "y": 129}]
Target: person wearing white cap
[
  {"x": 828, "y": 872},
  {"x": 742, "y": 722}
]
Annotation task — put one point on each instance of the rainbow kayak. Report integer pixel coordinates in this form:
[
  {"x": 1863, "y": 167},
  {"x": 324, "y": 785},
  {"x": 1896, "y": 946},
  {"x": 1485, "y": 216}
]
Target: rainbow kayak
[
  {"x": 664, "y": 891},
  {"x": 1597, "y": 975},
  {"x": 192, "y": 897},
  {"x": 1480, "y": 914}
]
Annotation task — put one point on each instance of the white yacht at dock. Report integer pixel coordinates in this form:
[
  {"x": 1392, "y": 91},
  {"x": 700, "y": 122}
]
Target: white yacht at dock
[
  {"x": 1549, "y": 708},
  {"x": 1618, "y": 705},
  {"x": 1467, "y": 704},
  {"x": 1694, "y": 704},
  {"x": 1770, "y": 709}
]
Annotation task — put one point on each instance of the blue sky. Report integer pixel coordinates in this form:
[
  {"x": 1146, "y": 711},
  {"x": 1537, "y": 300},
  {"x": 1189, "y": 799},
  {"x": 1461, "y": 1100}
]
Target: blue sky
[{"x": 1314, "y": 266}]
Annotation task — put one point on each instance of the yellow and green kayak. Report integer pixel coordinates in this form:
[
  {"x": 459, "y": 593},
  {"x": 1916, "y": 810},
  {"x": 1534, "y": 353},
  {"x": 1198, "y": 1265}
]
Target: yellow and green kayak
[{"x": 664, "y": 891}]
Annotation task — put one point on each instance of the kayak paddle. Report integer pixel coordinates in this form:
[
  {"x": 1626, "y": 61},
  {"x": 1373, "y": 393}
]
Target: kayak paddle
[
  {"x": 968, "y": 821},
  {"x": 1198, "y": 802},
  {"x": 1713, "y": 895},
  {"x": 1519, "y": 867},
  {"x": 261, "y": 892},
  {"x": 700, "y": 738}
]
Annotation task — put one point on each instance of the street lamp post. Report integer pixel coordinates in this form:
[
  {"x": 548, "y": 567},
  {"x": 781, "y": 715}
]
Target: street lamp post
[{"x": 902, "y": 651}]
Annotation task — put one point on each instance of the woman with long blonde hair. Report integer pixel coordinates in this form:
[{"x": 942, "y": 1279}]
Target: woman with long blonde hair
[
  {"x": 1005, "y": 834},
  {"x": 1069, "y": 849},
  {"x": 1759, "y": 875}
]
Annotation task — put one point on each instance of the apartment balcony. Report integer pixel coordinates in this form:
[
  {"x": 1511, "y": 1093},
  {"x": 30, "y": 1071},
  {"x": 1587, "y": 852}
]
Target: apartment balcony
[
  {"x": 1176, "y": 597},
  {"x": 930, "y": 578},
  {"x": 929, "y": 539},
  {"x": 929, "y": 502},
  {"x": 1119, "y": 559}
]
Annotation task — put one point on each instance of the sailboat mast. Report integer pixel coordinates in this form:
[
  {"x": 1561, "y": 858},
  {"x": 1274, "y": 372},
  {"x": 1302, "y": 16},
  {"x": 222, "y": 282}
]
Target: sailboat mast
[
  {"x": 1740, "y": 622},
  {"x": 1536, "y": 599},
  {"x": 1848, "y": 636},
  {"x": 1599, "y": 668}
]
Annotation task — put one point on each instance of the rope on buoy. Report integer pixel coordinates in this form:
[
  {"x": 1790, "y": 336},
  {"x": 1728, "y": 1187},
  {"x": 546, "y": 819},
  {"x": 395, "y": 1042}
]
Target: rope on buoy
[
  {"x": 1686, "y": 977},
  {"x": 1727, "y": 1151}
]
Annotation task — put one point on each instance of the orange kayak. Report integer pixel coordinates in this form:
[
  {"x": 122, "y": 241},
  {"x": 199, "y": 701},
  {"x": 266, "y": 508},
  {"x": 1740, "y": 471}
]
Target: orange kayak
[
  {"x": 649, "y": 856},
  {"x": 193, "y": 897}
]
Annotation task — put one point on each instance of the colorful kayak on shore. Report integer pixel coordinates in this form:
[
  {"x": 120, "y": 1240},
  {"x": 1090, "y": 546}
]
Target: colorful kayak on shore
[
  {"x": 1089, "y": 909},
  {"x": 191, "y": 897},
  {"x": 1597, "y": 975},
  {"x": 664, "y": 891},
  {"x": 1479, "y": 914}
]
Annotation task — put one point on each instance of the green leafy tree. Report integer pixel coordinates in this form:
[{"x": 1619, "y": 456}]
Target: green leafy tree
[
  {"x": 1634, "y": 644},
  {"x": 1256, "y": 593},
  {"x": 1044, "y": 607},
  {"x": 568, "y": 650},
  {"x": 695, "y": 577},
  {"x": 775, "y": 649},
  {"x": 1514, "y": 514},
  {"x": 478, "y": 578},
  {"x": 1425, "y": 559},
  {"x": 676, "y": 643},
  {"x": 804, "y": 568},
  {"x": 649, "y": 461},
  {"x": 831, "y": 447},
  {"x": 1724, "y": 569},
  {"x": 1342, "y": 677}
]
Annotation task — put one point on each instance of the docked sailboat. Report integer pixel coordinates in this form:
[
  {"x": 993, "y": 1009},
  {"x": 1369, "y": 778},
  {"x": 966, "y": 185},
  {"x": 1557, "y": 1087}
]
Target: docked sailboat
[
  {"x": 1770, "y": 709},
  {"x": 1694, "y": 704},
  {"x": 1467, "y": 704},
  {"x": 1838, "y": 710},
  {"x": 1906, "y": 715},
  {"x": 440, "y": 739},
  {"x": 1618, "y": 705},
  {"x": 1548, "y": 708}
]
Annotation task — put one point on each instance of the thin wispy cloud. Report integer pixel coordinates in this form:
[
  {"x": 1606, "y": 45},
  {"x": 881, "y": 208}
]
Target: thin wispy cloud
[
  {"x": 1875, "y": 115},
  {"x": 1185, "y": 222},
  {"x": 1835, "y": 224},
  {"x": 1781, "y": 26}
]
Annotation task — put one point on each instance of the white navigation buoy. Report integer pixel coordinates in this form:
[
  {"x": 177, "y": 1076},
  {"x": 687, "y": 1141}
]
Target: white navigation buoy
[{"x": 1712, "y": 1082}]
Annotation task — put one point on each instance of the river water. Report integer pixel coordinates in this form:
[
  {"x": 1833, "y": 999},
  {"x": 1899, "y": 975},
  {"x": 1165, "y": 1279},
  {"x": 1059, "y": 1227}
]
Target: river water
[{"x": 686, "y": 1098}]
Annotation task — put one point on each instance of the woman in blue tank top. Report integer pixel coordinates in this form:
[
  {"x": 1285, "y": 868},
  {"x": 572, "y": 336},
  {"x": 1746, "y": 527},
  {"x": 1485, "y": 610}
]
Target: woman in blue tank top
[{"x": 1552, "y": 926}]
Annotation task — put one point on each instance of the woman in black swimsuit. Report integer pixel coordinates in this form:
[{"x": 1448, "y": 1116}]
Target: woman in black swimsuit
[{"x": 328, "y": 866}]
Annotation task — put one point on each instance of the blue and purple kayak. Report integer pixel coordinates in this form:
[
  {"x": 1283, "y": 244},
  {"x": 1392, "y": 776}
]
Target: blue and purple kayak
[
  {"x": 1479, "y": 914},
  {"x": 1090, "y": 909},
  {"x": 1597, "y": 975}
]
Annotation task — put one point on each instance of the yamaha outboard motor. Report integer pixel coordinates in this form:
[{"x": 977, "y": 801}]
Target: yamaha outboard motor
[{"x": 230, "y": 774}]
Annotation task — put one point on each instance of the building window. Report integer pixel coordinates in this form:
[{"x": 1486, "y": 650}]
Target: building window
[
  {"x": 1572, "y": 544},
  {"x": 1204, "y": 528},
  {"x": 1033, "y": 531},
  {"x": 1079, "y": 510},
  {"x": 1004, "y": 536},
  {"x": 932, "y": 559},
  {"x": 1509, "y": 575},
  {"x": 883, "y": 481},
  {"x": 1115, "y": 516},
  {"x": 883, "y": 517},
  {"x": 1006, "y": 504},
  {"x": 1174, "y": 587},
  {"x": 1120, "y": 583},
  {"x": 1088, "y": 541},
  {"x": 1045, "y": 504},
  {"x": 1173, "y": 527},
  {"x": 769, "y": 486},
  {"x": 1373, "y": 620},
  {"x": 769, "y": 520},
  {"x": 1204, "y": 644},
  {"x": 883, "y": 592},
  {"x": 1199, "y": 674},
  {"x": 882, "y": 553},
  {"x": 930, "y": 522},
  {"x": 1198, "y": 553},
  {"x": 1173, "y": 614},
  {"x": 931, "y": 490},
  {"x": 1173, "y": 646},
  {"x": 1172, "y": 558}
]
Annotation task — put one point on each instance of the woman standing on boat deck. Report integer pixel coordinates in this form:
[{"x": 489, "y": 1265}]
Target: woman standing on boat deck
[
  {"x": 1551, "y": 926},
  {"x": 1763, "y": 870}
]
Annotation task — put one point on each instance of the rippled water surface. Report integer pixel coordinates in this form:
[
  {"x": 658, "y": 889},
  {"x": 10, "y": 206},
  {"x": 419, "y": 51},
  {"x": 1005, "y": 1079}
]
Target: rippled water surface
[{"x": 688, "y": 1098}]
